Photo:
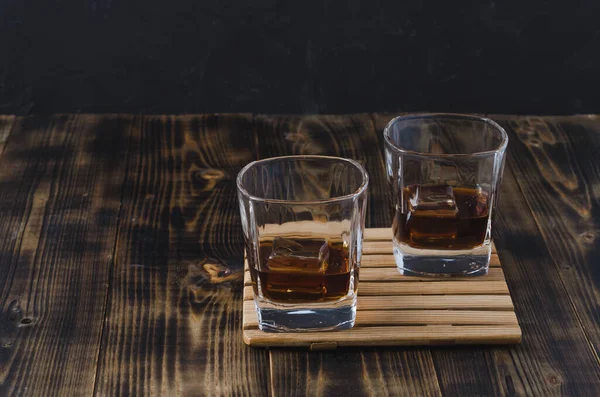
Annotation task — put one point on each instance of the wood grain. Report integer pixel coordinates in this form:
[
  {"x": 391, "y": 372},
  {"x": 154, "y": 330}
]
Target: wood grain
[
  {"x": 436, "y": 302},
  {"x": 418, "y": 313},
  {"x": 391, "y": 274},
  {"x": 553, "y": 339},
  {"x": 382, "y": 247},
  {"x": 311, "y": 373},
  {"x": 351, "y": 136},
  {"x": 564, "y": 197},
  {"x": 61, "y": 185},
  {"x": 436, "y": 288},
  {"x": 173, "y": 325},
  {"x": 387, "y": 260},
  {"x": 163, "y": 314}
]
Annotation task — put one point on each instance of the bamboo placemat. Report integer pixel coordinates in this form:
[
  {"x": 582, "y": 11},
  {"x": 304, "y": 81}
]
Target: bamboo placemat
[{"x": 397, "y": 310}]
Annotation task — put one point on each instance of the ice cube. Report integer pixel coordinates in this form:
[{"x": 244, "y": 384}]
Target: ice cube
[
  {"x": 435, "y": 200},
  {"x": 284, "y": 246},
  {"x": 476, "y": 204},
  {"x": 299, "y": 255}
]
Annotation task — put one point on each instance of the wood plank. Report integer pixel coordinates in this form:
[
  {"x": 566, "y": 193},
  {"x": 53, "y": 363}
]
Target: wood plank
[
  {"x": 371, "y": 247},
  {"x": 564, "y": 196},
  {"x": 378, "y": 233},
  {"x": 388, "y": 336},
  {"x": 372, "y": 372},
  {"x": 387, "y": 260},
  {"x": 411, "y": 317},
  {"x": 435, "y": 317},
  {"x": 376, "y": 247},
  {"x": 487, "y": 302},
  {"x": 61, "y": 185},
  {"x": 434, "y": 288},
  {"x": 174, "y": 321},
  {"x": 378, "y": 260}
]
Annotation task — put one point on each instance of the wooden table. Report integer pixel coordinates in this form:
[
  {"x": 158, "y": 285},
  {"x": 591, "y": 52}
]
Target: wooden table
[{"x": 121, "y": 260}]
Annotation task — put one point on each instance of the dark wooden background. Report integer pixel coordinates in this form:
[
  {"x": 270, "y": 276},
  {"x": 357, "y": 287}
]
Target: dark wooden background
[
  {"x": 121, "y": 261},
  {"x": 267, "y": 56}
]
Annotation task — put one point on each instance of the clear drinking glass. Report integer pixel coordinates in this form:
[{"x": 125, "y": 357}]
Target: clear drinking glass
[
  {"x": 303, "y": 220},
  {"x": 444, "y": 172}
]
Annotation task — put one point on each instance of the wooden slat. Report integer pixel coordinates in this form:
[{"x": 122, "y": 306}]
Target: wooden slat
[
  {"x": 484, "y": 302},
  {"x": 384, "y": 247},
  {"x": 387, "y": 274},
  {"x": 378, "y": 260},
  {"x": 490, "y": 302},
  {"x": 412, "y": 317},
  {"x": 375, "y": 233},
  {"x": 433, "y": 288},
  {"x": 428, "y": 317},
  {"x": 388, "y": 336},
  {"x": 247, "y": 279},
  {"x": 61, "y": 186},
  {"x": 387, "y": 260}
]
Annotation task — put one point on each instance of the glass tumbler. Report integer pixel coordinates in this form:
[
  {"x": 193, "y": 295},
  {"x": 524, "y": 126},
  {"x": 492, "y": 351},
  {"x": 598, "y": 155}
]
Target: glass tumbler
[
  {"x": 444, "y": 172},
  {"x": 303, "y": 221}
]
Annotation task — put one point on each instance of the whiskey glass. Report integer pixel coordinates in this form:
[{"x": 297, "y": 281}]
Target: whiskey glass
[
  {"x": 303, "y": 222},
  {"x": 444, "y": 171}
]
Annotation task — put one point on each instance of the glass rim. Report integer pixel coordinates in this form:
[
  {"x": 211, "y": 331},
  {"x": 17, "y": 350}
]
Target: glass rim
[
  {"x": 457, "y": 116},
  {"x": 361, "y": 189}
]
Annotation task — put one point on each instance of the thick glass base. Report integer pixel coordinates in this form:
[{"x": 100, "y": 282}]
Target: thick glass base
[
  {"x": 445, "y": 263},
  {"x": 330, "y": 316}
]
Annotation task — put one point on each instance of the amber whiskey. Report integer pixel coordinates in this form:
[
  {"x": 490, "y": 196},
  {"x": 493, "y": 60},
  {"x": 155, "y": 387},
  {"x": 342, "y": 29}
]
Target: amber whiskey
[
  {"x": 300, "y": 270},
  {"x": 442, "y": 217}
]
